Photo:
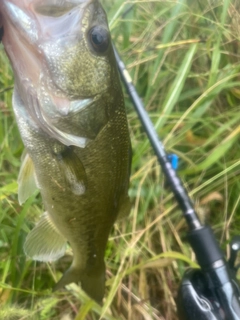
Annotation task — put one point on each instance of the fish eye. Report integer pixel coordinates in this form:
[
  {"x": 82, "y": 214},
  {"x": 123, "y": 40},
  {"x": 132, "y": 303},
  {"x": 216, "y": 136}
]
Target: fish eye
[{"x": 99, "y": 38}]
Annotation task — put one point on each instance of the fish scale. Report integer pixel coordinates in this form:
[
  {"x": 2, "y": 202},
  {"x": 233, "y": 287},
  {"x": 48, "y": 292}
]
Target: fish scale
[{"x": 70, "y": 112}]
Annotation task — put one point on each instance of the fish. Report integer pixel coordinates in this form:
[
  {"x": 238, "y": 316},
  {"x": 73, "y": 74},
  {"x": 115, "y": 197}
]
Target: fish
[{"x": 69, "y": 107}]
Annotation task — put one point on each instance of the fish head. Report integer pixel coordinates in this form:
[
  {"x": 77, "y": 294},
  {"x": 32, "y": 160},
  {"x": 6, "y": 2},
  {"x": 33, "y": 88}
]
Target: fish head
[
  {"x": 75, "y": 44},
  {"x": 61, "y": 55},
  {"x": 65, "y": 44}
]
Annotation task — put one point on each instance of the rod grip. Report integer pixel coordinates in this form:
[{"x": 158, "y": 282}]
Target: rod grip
[{"x": 205, "y": 246}]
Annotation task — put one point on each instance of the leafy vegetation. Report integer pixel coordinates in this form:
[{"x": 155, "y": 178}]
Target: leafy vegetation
[{"x": 183, "y": 57}]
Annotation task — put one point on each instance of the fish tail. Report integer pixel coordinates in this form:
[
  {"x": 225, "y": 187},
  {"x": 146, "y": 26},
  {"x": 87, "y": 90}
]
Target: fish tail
[
  {"x": 94, "y": 286},
  {"x": 93, "y": 283}
]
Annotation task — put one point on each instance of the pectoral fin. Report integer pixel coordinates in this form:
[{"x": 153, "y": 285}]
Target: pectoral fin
[
  {"x": 44, "y": 242},
  {"x": 73, "y": 170},
  {"x": 26, "y": 179}
]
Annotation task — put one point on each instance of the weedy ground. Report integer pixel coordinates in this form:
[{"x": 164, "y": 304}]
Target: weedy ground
[{"x": 184, "y": 58}]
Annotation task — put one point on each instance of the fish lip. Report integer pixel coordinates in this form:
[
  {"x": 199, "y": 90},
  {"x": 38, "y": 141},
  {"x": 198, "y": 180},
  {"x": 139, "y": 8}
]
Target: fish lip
[{"x": 81, "y": 4}]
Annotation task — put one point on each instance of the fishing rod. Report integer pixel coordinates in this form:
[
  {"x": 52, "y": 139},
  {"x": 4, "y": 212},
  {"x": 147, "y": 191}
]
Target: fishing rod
[{"x": 211, "y": 292}]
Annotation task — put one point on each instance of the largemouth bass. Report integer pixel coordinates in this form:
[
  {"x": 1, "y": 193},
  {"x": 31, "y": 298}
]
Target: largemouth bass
[{"x": 70, "y": 112}]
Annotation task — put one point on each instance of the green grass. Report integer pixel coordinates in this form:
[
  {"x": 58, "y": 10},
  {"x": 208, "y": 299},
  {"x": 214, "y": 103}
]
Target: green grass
[{"x": 184, "y": 58}]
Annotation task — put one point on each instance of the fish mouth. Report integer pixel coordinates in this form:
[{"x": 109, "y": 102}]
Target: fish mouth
[
  {"x": 30, "y": 16},
  {"x": 54, "y": 8}
]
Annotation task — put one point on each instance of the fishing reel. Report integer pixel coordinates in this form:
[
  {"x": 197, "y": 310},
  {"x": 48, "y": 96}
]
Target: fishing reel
[{"x": 203, "y": 297}]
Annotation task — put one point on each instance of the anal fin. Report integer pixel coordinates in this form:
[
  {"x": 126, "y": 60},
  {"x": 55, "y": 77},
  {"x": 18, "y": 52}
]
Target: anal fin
[{"x": 44, "y": 242}]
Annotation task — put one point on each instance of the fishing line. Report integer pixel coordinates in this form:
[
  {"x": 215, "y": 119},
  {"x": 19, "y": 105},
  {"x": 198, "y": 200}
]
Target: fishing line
[{"x": 212, "y": 292}]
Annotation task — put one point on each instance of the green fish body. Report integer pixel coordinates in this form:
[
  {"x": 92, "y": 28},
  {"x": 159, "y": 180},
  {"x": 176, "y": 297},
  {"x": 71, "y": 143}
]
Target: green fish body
[{"x": 70, "y": 111}]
